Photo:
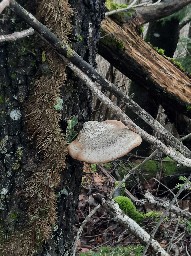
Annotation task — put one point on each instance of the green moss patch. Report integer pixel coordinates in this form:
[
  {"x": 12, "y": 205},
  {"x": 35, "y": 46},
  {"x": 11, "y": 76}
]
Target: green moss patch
[
  {"x": 132, "y": 250},
  {"x": 128, "y": 208}
]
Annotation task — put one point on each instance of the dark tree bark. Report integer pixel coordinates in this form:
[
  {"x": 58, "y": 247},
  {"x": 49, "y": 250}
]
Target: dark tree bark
[
  {"x": 19, "y": 63},
  {"x": 39, "y": 187},
  {"x": 77, "y": 100}
]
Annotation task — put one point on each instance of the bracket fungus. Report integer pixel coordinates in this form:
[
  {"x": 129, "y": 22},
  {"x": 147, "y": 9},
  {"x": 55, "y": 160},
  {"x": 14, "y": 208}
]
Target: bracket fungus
[{"x": 101, "y": 142}]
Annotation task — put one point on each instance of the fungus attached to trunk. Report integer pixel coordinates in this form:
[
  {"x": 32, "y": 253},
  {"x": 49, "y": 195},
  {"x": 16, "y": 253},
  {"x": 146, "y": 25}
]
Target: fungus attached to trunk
[{"x": 101, "y": 142}]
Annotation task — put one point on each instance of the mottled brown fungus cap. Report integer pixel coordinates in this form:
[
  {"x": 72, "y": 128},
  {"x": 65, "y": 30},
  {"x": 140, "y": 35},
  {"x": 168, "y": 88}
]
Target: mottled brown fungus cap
[{"x": 101, "y": 142}]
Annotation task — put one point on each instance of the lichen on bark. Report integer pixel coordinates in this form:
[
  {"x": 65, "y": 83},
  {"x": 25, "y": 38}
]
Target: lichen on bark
[
  {"x": 43, "y": 126},
  {"x": 46, "y": 145}
]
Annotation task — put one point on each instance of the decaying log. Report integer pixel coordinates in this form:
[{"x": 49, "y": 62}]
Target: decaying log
[{"x": 129, "y": 53}]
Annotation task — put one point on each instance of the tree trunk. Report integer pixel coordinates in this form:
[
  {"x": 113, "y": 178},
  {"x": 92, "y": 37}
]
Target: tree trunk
[
  {"x": 19, "y": 63},
  {"x": 78, "y": 102},
  {"x": 39, "y": 184}
]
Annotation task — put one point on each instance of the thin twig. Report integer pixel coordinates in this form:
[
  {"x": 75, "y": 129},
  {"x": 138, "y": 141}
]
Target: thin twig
[
  {"x": 165, "y": 213},
  {"x": 133, "y": 171},
  {"x": 170, "y": 190},
  {"x": 188, "y": 136},
  {"x": 80, "y": 230},
  {"x": 16, "y": 35},
  {"x": 132, "y": 5},
  {"x": 188, "y": 254},
  {"x": 131, "y": 196},
  {"x": 179, "y": 237},
  {"x": 4, "y": 4},
  {"x": 165, "y": 204},
  {"x": 184, "y": 22},
  {"x": 173, "y": 235}
]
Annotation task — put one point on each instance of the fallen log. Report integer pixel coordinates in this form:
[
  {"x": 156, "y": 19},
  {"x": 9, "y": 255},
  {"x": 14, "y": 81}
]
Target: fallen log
[{"x": 130, "y": 54}]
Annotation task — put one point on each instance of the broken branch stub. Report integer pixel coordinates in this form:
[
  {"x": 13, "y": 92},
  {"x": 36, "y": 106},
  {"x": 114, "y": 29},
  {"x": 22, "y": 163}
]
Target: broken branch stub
[{"x": 101, "y": 142}]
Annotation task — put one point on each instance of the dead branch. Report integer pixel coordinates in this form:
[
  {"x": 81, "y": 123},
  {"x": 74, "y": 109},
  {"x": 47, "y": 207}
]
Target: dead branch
[
  {"x": 163, "y": 9},
  {"x": 114, "y": 210},
  {"x": 16, "y": 35},
  {"x": 186, "y": 137},
  {"x": 166, "y": 212},
  {"x": 133, "y": 5},
  {"x": 113, "y": 180},
  {"x": 4, "y": 4},
  {"x": 80, "y": 230},
  {"x": 132, "y": 171},
  {"x": 171, "y": 243},
  {"x": 184, "y": 22},
  {"x": 165, "y": 204}
]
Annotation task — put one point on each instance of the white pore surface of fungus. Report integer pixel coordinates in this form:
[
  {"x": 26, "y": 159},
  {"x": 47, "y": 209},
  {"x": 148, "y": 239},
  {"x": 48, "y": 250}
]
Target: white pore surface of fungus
[{"x": 101, "y": 142}]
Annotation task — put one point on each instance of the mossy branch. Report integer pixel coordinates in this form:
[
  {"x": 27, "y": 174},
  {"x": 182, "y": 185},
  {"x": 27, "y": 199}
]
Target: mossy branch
[{"x": 116, "y": 212}]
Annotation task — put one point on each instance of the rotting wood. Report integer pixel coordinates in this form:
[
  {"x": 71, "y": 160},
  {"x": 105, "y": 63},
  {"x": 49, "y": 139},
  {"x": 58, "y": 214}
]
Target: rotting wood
[{"x": 129, "y": 53}]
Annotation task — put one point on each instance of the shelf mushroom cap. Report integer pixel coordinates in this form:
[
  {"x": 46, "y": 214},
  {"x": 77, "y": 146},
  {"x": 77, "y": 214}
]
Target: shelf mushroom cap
[{"x": 102, "y": 142}]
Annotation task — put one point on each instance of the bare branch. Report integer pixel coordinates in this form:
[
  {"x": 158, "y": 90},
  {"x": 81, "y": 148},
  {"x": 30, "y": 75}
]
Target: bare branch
[
  {"x": 186, "y": 137},
  {"x": 16, "y": 35},
  {"x": 131, "y": 6},
  {"x": 127, "y": 192},
  {"x": 80, "y": 230},
  {"x": 188, "y": 254},
  {"x": 133, "y": 171},
  {"x": 165, "y": 8},
  {"x": 4, "y": 4},
  {"x": 119, "y": 216},
  {"x": 165, "y": 213},
  {"x": 171, "y": 245},
  {"x": 165, "y": 204},
  {"x": 184, "y": 22}
]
